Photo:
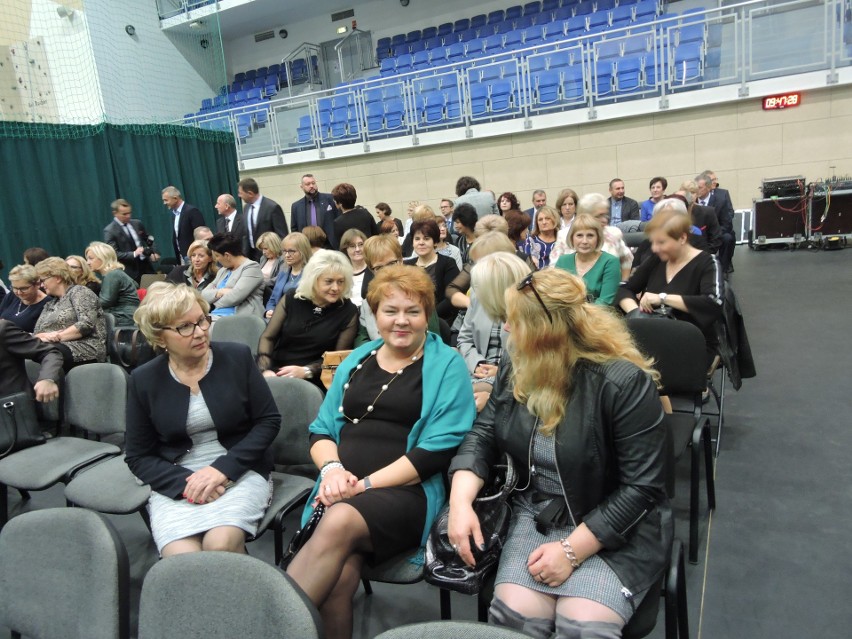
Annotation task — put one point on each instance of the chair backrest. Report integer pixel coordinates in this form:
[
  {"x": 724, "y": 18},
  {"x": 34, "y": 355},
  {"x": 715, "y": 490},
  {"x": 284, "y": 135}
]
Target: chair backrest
[
  {"x": 243, "y": 329},
  {"x": 64, "y": 573},
  {"x": 298, "y": 402},
  {"x": 679, "y": 352},
  {"x": 96, "y": 398},
  {"x": 242, "y": 597},
  {"x": 445, "y": 629}
]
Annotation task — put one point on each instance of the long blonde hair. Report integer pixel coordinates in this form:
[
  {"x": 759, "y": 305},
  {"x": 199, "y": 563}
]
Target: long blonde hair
[{"x": 544, "y": 355}]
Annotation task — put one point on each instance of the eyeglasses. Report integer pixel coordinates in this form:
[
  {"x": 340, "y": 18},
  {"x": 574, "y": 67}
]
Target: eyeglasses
[
  {"x": 21, "y": 289},
  {"x": 186, "y": 330},
  {"x": 528, "y": 281},
  {"x": 289, "y": 251},
  {"x": 379, "y": 267}
]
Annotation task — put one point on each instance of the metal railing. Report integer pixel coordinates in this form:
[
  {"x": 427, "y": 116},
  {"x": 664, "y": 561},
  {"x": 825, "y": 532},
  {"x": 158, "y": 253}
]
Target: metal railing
[
  {"x": 354, "y": 53},
  {"x": 735, "y": 45}
]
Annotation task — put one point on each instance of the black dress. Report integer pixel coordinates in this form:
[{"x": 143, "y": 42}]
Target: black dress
[
  {"x": 395, "y": 516},
  {"x": 21, "y": 315}
]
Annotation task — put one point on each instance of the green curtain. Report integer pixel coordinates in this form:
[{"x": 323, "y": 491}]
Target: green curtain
[{"x": 57, "y": 182}]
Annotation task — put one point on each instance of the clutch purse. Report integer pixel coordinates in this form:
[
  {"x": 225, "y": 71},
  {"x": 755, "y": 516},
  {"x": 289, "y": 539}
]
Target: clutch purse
[
  {"x": 444, "y": 567},
  {"x": 300, "y": 538},
  {"x": 330, "y": 361}
]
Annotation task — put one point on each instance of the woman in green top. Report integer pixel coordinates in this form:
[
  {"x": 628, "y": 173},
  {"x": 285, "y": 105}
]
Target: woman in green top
[
  {"x": 600, "y": 271},
  {"x": 118, "y": 290}
]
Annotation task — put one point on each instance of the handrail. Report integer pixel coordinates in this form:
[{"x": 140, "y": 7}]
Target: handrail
[{"x": 358, "y": 34}]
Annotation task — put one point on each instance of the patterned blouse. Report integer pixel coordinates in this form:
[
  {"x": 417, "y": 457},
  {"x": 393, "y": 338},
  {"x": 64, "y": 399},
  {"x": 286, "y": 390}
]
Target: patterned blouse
[{"x": 79, "y": 307}]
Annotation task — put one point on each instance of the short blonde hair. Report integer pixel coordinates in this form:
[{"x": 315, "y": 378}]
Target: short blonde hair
[
  {"x": 491, "y": 222},
  {"x": 163, "y": 304},
  {"x": 671, "y": 218},
  {"x": 411, "y": 281},
  {"x": 422, "y": 212},
  {"x": 106, "y": 254},
  {"x": 491, "y": 242},
  {"x": 322, "y": 262},
  {"x": 271, "y": 242},
  {"x": 24, "y": 272},
  {"x": 379, "y": 245},
  {"x": 490, "y": 278},
  {"x": 586, "y": 222},
  {"x": 316, "y": 236},
  {"x": 300, "y": 242},
  {"x": 85, "y": 274},
  {"x": 54, "y": 267}
]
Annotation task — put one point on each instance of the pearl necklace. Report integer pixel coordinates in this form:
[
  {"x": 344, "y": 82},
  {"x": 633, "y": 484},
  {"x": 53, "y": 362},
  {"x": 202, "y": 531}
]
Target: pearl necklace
[{"x": 372, "y": 405}]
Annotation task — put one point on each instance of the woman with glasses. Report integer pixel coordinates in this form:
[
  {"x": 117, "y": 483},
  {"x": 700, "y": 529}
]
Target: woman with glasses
[
  {"x": 576, "y": 406},
  {"x": 200, "y": 421},
  {"x": 73, "y": 318},
  {"x": 314, "y": 318},
  {"x": 352, "y": 245},
  {"x": 297, "y": 251},
  {"x": 82, "y": 274},
  {"x": 24, "y": 307}
]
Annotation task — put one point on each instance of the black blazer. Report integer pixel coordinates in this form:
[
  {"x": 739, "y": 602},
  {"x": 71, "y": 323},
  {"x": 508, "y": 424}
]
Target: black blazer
[
  {"x": 118, "y": 239},
  {"x": 629, "y": 209},
  {"x": 445, "y": 272},
  {"x": 720, "y": 201},
  {"x": 238, "y": 228},
  {"x": 239, "y": 401},
  {"x": 17, "y": 345},
  {"x": 190, "y": 219},
  {"x": 268, "y": 217},
  {"x": 300, "y": 216},
  {"x": 705, "y": 219}
]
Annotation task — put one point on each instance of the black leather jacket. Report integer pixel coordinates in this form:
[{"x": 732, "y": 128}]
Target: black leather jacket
[{"x": 611, "y": 457}]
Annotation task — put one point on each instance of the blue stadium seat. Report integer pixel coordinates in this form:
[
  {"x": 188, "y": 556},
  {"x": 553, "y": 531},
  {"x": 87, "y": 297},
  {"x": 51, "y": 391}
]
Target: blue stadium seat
[
  {"x": 490, "y": 72},
  {"x": 415, "y": 47},
  {"x": 398, "y": 40},
  {"x": 560, "y": 59},
  {"x": 503, "y": 27},
  {"x": 444, "y": 29},
  {"x": 394, "y": 114},
  {"x": 597, "y": 20},
  {"x": 474, "y": 48},
  {"x": 628, "y": 74},
  {"x": 645, "y": 8},
  {"x": 421, "y": 60},
  {"x": 439, "y": 56},
  {"x": 304, "y": 132},
  {"x": 573, "y": 87},
  {"x": 621, "y": 16},
  {"x": 403, "y": 63},
  {"x": 375, "y": 117},
  {"x": 412, "y": 36},
  {"x": 554, "y": 30},
  {"x": 433, "y": 107},
  {"x": 478, "y": 98},
  {"x": 251, "y": 74},
  {"x": 514, "y": 12},
  {"x": 462, "y": 24},
  {"x": 538, "y": 63},
  {"x": 532, "y": 8},
  {"x": 206, "y": 105},
  {"x": 688, "y": 63},
  {"x": 602, "y": 6},
  {"x": 434, "y": 42},
  {"x": 513, "y": 40},
  {"x": 608, "y": 49},
  {"x": 549, "y": 5},
  {"x": 429, "y": 32},
  {"x": 563, "y": 13},
  {"x": 478, "y": 21},
  {"x": 691, "y": 33},
  {"x": 532, "y": 36},
  {"x": 373, "y": 95},
  {"x": 637, "y": 45},
  {"x": 452, "y": 104},
  {"x": 547, "y": 85},
  {"x": 585, "y": 8},
  {"x": 501, "y": 96},
  {"x": 493, "y": 44},
  {"x": 455, "y": 52},
  {"x": 387, "y": 67},
  {"x": 239, "y": 77},
  {"x": 496, "y": 16},
  {"x": 602, "y": 80},
  {"x": 524, "y": 22},
  {"x": 576, "y": 27}
]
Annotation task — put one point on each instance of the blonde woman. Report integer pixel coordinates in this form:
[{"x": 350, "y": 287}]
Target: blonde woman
[
  {"x": 82, "y": 274},
  {"x": 118, "y": 290},
  {"x": 297, "y": 251},
  {"x": 201, "y": 270},
  {"x": 540, "y": 243},
  {"x": 591, "y": 527},
  {"x": 600, "y": 270},
  {"x": 24, "y": 304},
  {"x": 269, "y": 245}
]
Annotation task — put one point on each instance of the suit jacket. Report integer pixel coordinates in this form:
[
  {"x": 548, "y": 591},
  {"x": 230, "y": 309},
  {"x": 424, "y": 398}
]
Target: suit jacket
[
  {"x": 190, "y": 219},
  {"x": 246, "y": 284},
  {"x": 720, "y": 201},
  {"x": 268, "y": 217},
  {"x": 17, "y": 345},
  {"x": 238, "y": 228},
  {"x": 705, "y": 219},
  {"x": 117, "y": 238},
  {"x": 239, "y": 401},
  {"x": 482, "y": 201},
  {"x": 629, "y": 209},
  {"x": 300, "y": 215}
]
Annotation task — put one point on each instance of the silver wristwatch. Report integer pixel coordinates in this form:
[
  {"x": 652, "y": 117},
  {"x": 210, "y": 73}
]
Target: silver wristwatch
[
  {"x": 663, "y": 298},
  {"x": 309, "y": 374}
]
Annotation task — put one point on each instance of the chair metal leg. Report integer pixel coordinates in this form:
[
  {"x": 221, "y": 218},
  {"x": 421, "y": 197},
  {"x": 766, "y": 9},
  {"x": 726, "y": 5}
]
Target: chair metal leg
[
  {"x": 677, "y": 615},
  {"x": 709, "y": 462},
  {"x": 721, "y": 405},
  {"x": 693, "y": 494},
  {"x": 482, "y": 606},
  {"x": 446, "y": 610},
  {"x": 368, "y": 589},
  {"x": 147, "y": 518}
]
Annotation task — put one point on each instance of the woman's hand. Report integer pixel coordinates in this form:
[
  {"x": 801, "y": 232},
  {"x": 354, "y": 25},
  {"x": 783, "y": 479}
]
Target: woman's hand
[
  {"x": 549, "y": 565},
  {"x": 268, "y": 314},
  {"x": 291, "y": 371},
  {"x": 268, "y": 373},
  {"x": 484, "y": 370},
  {"x": 201, "y": 484},
  {"x": 52, "y": 336},
  {"x": 462, "y": 524},
  {"x": 649, "y": 301},
  {"x": 481, "y": 399},
  {"x": 222, "y": 291},
  {"x": 337, "y": 485}
]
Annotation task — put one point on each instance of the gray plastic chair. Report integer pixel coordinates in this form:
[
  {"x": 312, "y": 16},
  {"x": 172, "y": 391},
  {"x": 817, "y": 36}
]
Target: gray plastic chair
[
  {"x": 450, "y": 630},
  {"x": 64, "y": 574},
  {"x": 298, "y": 402},
  {"x": 243, "y": 329},
  {"x": 214, "y": 595},
  {"x": 95, "y": 398}
]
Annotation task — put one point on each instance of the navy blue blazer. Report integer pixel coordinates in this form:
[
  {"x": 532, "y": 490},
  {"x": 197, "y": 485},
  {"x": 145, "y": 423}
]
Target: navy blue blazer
[
  {"x": 190, "y": 219},
  {"x": 300, "y": 216},
  {"x": 240, "y": 404},
  {"x": 125, "y": 247}
]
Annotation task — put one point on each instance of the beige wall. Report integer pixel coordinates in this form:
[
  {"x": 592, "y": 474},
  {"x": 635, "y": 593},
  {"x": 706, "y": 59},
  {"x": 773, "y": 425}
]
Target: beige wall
[{"x": 739, "y": 141}]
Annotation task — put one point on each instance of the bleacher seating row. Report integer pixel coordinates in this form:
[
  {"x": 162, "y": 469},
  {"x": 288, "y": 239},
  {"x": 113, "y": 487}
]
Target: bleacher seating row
[{"x": 546, "y": 19}]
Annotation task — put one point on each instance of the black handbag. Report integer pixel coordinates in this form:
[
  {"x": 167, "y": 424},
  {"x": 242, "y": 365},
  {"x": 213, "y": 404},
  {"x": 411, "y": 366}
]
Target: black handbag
[
  {"x": 300, "y": 538},
  {"x": 131, "y": 348},
  {"x": 19, "y": 427},
  {"x": 444, "y": 567}
]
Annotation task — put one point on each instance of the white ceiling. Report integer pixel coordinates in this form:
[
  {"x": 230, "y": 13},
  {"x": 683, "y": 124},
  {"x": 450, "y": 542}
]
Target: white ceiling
[{"x": 261, "y": 15}]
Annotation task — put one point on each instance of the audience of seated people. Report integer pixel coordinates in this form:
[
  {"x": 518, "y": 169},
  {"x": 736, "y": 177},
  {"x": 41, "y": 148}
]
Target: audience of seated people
[{"x": 373, "y": 296}]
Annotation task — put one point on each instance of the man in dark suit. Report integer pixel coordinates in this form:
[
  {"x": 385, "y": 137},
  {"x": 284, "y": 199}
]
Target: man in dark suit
[
  {"x": 187, "y": 219},
  {"x": 539, "y": 199},
  {"x": 230, "y": 220},
  {"x": 133, "y": 246},
  {"x": 720, "y": 201},
  {"x": 621, "y": 208},
  {"x": 261, "y": 215},
  {"x": 17, "y": 345},
  {"x": 314, "y": 209}
]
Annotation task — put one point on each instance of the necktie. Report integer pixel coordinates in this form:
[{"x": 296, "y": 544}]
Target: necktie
[
  {"x": 251, "y": 224},
  {"x": 129, "y": 234},
  {"x": 313, "y": 213},
  {"x": 229, "y": 222}
]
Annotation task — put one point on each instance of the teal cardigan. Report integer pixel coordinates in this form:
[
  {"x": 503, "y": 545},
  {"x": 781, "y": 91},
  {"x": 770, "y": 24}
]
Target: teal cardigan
[
  {"x": 446, "y": 415},
  {"x": 602, "y": 280}
]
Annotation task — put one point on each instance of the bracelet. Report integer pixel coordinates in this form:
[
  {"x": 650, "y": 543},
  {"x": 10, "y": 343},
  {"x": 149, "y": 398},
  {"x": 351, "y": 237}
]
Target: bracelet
[
  {"x": 329, "y": 466},
  {"x": 367, "y": 483},
  {"x": 569, "y": 553}
]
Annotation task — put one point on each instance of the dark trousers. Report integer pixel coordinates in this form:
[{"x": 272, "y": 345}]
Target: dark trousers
[{"x": 726, "y": 250}]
